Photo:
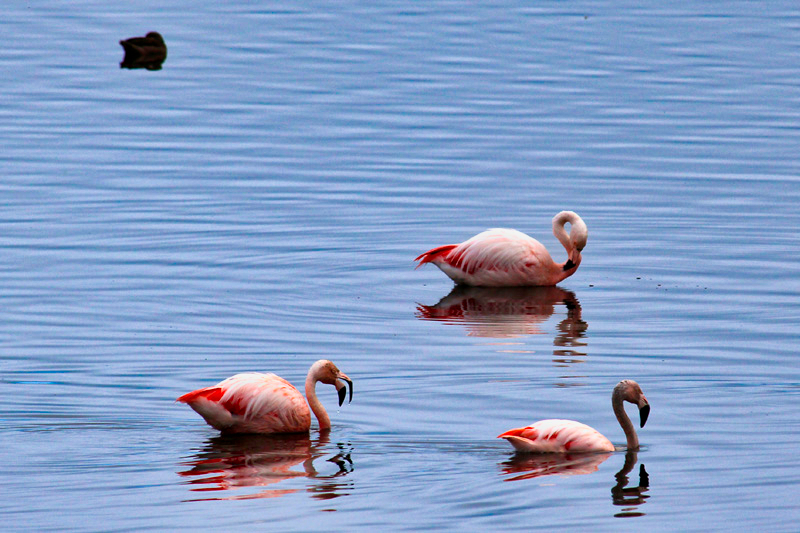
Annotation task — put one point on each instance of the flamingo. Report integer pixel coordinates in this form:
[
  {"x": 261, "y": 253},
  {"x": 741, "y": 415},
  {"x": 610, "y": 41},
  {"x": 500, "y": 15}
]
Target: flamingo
[
  {"x": 265, "y": 403},
  {"x": 502, "y": 257},
  {"x": 562, "y": 436}
]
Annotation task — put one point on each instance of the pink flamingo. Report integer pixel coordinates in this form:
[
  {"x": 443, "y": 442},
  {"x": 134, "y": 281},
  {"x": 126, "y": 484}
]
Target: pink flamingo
[
  {"x": 507, "y": 258},
  {"x": 562, "y": 436},
  {"x": 265, "y": 403}
]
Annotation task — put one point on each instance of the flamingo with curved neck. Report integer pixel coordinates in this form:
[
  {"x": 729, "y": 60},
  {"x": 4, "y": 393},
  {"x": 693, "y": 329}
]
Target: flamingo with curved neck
[
  {"x": 252, "y": 402},
  {"x": 503, "y": 257},
  {"x": 562, "y": 436}
]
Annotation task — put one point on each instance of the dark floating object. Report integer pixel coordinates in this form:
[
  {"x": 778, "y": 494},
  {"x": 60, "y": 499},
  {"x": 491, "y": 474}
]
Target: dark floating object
[{"x": 144, "y": 52}]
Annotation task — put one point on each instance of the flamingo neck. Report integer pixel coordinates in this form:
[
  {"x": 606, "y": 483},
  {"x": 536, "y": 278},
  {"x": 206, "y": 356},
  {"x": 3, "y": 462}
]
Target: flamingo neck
[
  {"x": 313, "y": 402},
  {"x": 624, "y": 421},
  {"x": 561, "y": 233},
  {"x": 577, "y": 234}
]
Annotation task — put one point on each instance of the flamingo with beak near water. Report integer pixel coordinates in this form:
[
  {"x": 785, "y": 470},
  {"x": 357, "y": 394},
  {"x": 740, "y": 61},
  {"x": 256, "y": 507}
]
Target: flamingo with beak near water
[
  {"x": 265, "y": 403},
  {"x": 562, "y": 436},
  {"x": 508, "y": 258}
]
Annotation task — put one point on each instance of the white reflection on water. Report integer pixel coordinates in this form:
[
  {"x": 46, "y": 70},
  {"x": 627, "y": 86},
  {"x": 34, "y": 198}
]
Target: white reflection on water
[
  {"x": 234, "y": 462},
  {"x": 513, "y": 312},
  {"x": 531, "y": 466}
]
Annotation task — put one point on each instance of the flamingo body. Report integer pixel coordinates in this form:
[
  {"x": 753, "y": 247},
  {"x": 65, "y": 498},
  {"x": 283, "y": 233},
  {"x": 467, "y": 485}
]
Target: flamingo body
[
  {"x": 557, "y": 436},
  {"x": 252, "y": 402},
  {"x": 568, "y": 436},
  {"x": 503, "y": 257}
]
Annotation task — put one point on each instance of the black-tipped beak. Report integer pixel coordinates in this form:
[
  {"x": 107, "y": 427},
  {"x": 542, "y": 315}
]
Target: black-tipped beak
[
  {"x": 644, "y": 412},
  {"x": 343, "y": 392},
  {"x": 350, "y": 386}
]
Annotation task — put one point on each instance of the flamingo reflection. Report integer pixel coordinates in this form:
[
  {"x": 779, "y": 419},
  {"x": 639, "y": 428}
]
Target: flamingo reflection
[
  {"x": 234, "y": 462},
  {"x": 630, "y": 497},
  {"x": 511, "y": 312},
  {"x": 529, "y": 466}
]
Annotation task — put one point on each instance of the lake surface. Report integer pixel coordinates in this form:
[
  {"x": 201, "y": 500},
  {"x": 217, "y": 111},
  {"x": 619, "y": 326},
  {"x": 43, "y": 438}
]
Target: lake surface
[{"x": 257, "y": 203}]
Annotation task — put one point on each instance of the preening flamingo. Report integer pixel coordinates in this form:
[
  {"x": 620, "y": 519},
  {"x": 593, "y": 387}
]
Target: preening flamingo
[
  {"x": 265, "y": 403},
  {"x": 562, "y": 436},
  {"x": 507, "y": 258}
]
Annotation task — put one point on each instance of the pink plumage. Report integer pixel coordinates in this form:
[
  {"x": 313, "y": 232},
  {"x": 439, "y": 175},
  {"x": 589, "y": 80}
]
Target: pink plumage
[
  {"x": 252, "y": 403},
  {"x": 506, "y": 257},
  {"x": 568, "y": 436},
  {"x": 557, "y": 436},
  {"x": 265, "y": 403}
]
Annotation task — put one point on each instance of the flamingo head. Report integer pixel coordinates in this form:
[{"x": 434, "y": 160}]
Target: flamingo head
[
  {"x": 578, "y": 235},
  {"x": 632, "y": 392},
  {"x": 326, "y": 372}
]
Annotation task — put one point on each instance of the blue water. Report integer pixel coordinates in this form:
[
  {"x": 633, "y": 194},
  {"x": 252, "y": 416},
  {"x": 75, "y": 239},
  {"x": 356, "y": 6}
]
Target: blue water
[{"x": 257, "y": 203}]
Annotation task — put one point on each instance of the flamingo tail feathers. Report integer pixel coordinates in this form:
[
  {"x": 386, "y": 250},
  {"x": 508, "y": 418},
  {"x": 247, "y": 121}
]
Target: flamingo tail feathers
[
  {"x": 516, "y": 432},
  {"x": 212, "y": 394},
  {"x": 431, "y": 255}
]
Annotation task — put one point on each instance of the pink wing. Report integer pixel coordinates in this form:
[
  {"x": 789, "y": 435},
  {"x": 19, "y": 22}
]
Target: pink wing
[
  {"x": 495, "y": 257},
  {"x": 251, "y": 403},
  {"x": 557, "y": 436}
]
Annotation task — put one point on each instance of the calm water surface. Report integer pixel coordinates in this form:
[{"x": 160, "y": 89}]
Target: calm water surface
[{"x": 256, "y": 205}]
